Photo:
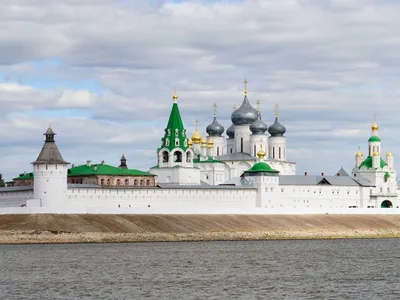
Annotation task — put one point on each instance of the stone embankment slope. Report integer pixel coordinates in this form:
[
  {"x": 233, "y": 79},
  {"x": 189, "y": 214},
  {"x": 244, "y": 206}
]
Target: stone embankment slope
[{"x": 74, "y": 228}]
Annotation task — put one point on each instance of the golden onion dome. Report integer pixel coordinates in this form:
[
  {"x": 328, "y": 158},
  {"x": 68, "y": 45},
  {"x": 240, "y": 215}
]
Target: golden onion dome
[
  {"x": 375, "y": 126},
  {"x": 203, "y": 142},
  {"x": 376, "y": 153},
  {"x": 389, "y": 153},
  {"x": 190, "y": 143},
  {"x": 359, "y": 154},
  {"x": 210, "y": 143},
  {"x": 261, "y": 153},
  {"x": 196, "y": 138}
]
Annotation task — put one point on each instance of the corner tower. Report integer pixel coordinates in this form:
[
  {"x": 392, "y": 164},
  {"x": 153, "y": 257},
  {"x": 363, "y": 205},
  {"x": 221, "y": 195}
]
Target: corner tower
[
  {"x": 175, "y": 157},
  {"x": 50, "y": 173}
]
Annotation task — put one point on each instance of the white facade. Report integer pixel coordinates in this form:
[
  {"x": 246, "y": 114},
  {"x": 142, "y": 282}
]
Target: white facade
[{"x": 50, "y": 184}]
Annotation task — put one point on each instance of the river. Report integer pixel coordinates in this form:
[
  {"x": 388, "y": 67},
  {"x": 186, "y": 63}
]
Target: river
[{"x": 307, "y": 269}]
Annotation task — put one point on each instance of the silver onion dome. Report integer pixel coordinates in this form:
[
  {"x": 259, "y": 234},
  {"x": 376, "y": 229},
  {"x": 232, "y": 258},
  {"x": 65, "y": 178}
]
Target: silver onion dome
[
  {"x": 215, "y": 129},
  {"x": 231, "y": 131},
  {"x": 277, "y": 129},
  {"x": 258, "y": 126},
  {"x": 245, "y": 114}
]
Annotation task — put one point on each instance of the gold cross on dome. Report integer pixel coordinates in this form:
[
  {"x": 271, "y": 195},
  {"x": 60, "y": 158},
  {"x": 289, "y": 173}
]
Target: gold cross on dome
[
  {"x": 245, "y": 86},
  {"x": 258, "y": 106},
  {"x": 215, "y": 109},
  {"x": 276, "y": 110}
]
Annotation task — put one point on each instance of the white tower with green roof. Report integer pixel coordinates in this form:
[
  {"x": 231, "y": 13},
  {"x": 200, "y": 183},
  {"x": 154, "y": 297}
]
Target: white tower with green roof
[
  {"x": 377, "y": 171},
  {"x": 266, "y": 180},
  {"x": 175, "y": 157}
]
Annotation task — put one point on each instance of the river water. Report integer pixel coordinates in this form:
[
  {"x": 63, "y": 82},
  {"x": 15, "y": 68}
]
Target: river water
[{"x": 324, "y": 269}]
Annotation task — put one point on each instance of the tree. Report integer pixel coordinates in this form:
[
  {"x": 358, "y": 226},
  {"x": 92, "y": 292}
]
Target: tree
[{"x": 2, "y": 184}]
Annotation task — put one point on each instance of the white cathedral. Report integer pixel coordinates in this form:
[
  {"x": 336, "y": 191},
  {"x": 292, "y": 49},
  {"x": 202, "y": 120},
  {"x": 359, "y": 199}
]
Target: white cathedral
[{"x": 248, "y": 172}]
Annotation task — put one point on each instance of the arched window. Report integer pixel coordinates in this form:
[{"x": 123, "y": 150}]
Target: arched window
[
  {"x": 118, "y": 181},
  {"x": 217, "y": 151},
  {"x": 165, "y": 156},
  {"x": 102, "y": 181},
  {"x": 177, "y": 156},
  {"x": 108, "y": 181},
  {"x": 255, "y": 150},
  {"x": 188, "y": 157},
  {"x": 241, "y": 144},
  {"x": 273, "y": 152},
  {"x": 280, "y": 153},
  {"x": 126, "y": 182},
  {"x": 176, "y": 142},
  {"x": 135, "y": 182}
]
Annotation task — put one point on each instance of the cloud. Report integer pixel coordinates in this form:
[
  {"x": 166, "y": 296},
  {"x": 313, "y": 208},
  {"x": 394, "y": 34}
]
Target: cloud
[{"x": 104, "y": 71}]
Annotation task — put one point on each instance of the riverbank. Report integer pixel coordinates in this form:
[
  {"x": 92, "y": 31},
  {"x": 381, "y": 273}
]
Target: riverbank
[{"x": 58, "y": 228}]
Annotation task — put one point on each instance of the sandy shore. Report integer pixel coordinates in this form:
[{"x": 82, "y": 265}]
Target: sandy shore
[
  {"x": 75, "y": 228},
  {"x": 50, "y": 237}
]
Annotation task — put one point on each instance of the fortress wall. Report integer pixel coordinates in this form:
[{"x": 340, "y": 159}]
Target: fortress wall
[
  {"x": 176, "y": 199},
  {"x": 15, "y": 198}
]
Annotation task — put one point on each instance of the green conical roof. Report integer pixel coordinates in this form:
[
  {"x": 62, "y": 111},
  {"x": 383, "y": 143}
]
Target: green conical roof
[{"x": 175, "y": 132}]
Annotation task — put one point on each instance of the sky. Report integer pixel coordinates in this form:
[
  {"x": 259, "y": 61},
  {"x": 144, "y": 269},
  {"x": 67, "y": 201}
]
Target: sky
[{"x": 103, "y": 72}]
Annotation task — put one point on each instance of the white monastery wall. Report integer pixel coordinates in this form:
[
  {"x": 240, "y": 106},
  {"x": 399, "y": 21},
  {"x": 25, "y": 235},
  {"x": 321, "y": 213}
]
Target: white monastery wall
[
  {"x": 168, "y": 199},
  {"x": 321, "y": 197},
  {"x": 16, "y": 198}
]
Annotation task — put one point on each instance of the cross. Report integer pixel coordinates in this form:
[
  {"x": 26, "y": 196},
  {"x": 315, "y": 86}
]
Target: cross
[
  {"x": 234, "y": 107},
  {"x": 276, "y": 110},
  {"x": 197, "y": 123},
  {"x": 245, "y": 86},
  {"x": 258, "y": 106},
  {"x": 215, "y": 109}
]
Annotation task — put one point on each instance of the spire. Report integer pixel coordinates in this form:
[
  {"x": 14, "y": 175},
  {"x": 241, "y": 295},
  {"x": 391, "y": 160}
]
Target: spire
[
  {"x": 359, "y": 153},
  {"x": 196, "y": 138},
  {"x": 50, "y": 153},
  {"x": 175, "y": 132},
  {"x": 276, "y": 110},
  {"x": 261, "y": 154},
  {"x": 175, "y": 97},
  {"x": 49, "y": 135},
  {"x": 374, "y": 126},
  {"x": 123, "y": 164},
  {"x": 245, "y": 87}
]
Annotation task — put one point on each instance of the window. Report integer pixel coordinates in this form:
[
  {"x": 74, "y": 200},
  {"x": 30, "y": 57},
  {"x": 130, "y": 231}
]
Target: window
[
  {"x": 188, "y": 157},
  {"x": 176, "y": 142},
  {"x": 147, "y": 182},
  {"x": 177, "y": 156},
  {"x": 241, "y": 144},
  {"x": 273, "y": 152},
  {"x": 135, "y": 182},
  {"x": 118, "y": 181},
  {"x": 217, "y": 151},
  {"x": 255, "y": 150},
  {"x": 141, "y": 182},
  {"x": 126, "y": 181},
  {"x": 165, "y": 156},
  {"x": 167, "y": 142},
  {"x": 231, "y": 150}
]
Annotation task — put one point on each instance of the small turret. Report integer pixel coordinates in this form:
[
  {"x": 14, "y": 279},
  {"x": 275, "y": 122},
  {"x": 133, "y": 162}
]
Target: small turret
[
  {"x": 359, "y": 157},
  {"x": 123, "y": 164}
]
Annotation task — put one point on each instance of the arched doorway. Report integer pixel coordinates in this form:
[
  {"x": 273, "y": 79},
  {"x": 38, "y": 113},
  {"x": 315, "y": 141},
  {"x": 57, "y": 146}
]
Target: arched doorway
[{"x": 386, "y": 204}]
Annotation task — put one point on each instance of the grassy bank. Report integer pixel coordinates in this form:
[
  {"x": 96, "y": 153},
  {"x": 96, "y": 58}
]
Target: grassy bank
[{"x": 56, "y": 228}]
